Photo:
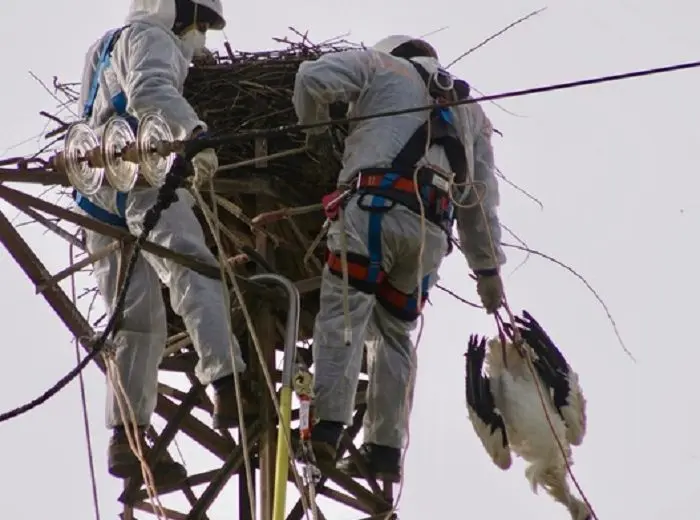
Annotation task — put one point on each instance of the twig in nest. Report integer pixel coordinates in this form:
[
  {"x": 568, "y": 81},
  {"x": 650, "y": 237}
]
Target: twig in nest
[
  {"x": 62, "y": 124},
  {"x": 497, "y": 104},
  {"x": 496, "y": 35},
  {"x": 53, "y": 118},
  {"x": 487, "y": 40},
  {"x": 71, "y": 94},
  {"x": 458, "y": 297},
  {"x": 304, "y": 37},
  {"x": 537, "y": 201},
  {"x": 585, "y": 282},
  {"x": 431, "y": 33},
  {"x": 99, "y": 320},
  {"x": 47, "y": 89},
  {"x": 522, "y": 243}
]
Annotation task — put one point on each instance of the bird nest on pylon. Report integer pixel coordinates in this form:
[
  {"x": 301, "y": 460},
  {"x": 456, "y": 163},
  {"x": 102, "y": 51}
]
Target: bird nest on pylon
[{"x": 239, "y": 92}]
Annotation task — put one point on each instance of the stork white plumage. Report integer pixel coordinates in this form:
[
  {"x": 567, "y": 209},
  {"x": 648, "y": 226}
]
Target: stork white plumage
[{"x": 510, "y": 415}]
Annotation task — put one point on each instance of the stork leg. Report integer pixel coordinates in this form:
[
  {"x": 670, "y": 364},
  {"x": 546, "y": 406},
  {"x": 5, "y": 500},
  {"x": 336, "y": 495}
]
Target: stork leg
[{"x": 554, "y": 482}]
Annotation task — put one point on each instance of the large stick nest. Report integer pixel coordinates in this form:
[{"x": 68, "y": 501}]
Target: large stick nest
[{"x": 246, "y": 91}]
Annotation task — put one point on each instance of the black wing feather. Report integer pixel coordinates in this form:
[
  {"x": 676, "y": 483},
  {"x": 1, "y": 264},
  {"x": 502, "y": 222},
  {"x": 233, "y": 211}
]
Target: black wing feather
[
  {"x": 478, "y": 388},
  {"x": 550, "y": 364}
]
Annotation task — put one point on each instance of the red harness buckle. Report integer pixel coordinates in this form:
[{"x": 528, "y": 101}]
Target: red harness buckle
[{"x": 331, "y": 204}]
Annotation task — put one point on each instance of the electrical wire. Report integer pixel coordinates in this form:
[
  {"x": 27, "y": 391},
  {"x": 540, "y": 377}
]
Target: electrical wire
[
  {"x": 225, "y": 139},
  {"x": 174, "y": 179},
  {"x": 166, "y": 196}
]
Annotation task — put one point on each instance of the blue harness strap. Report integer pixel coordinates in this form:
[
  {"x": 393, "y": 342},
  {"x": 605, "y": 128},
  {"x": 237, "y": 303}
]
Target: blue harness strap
[
  {"x": 103, "y": 61},
  {"x": 102, "y": 214},
  {"x": 374, "y": 231},
  {"x": 119, "y": 102}
]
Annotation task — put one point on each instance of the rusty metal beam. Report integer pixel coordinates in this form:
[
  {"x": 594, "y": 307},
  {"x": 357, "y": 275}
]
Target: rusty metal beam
[
  {"x": 233, "y": 462},
  {"x": 178, "y": 415},
  {"x": 297, "y": 512},
  {"x": 259, "y": 185},
  {"x": 22, "y": 200},
  {"x": 164, "y": 439},
  {"x": 79, "y": 327},
  {"x": 196, "y": 429},
  {"x": 54, "y": 295},
  {"x": 171, "y": 514}
]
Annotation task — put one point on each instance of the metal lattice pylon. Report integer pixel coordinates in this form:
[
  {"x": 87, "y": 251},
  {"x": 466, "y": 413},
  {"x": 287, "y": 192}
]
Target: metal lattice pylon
[{"x": 184, "y": 409}]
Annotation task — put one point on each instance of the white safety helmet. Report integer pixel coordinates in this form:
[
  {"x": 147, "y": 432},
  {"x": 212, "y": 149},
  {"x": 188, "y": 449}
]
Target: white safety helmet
[{"x": 393, "y": 42}]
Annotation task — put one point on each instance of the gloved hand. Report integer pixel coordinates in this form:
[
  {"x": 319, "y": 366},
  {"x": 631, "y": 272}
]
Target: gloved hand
[
  {"x": 489, "y": 286},
  {"x": 205, "y": 164}
]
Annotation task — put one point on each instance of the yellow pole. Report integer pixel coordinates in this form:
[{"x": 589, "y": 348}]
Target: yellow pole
[
  {"x": 282, "y": 461},
  {"x": 291, "y": 334}
]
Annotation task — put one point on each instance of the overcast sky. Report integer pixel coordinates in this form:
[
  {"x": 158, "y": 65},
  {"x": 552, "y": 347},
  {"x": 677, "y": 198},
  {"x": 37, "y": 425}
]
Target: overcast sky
[{"x": 616, "y": 169}]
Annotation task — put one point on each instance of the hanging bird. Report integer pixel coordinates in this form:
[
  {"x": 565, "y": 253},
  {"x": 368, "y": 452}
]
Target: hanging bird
[{"x": 508, "y": 414}]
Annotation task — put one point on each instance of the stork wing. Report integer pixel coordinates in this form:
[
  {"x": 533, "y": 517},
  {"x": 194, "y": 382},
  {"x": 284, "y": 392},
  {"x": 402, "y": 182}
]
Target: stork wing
[
  {"x": 483, "y": 414},
  {"x": 558, "y": 375}
]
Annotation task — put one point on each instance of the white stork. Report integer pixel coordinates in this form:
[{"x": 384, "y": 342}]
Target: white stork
[{"x": 507, "y": 411}]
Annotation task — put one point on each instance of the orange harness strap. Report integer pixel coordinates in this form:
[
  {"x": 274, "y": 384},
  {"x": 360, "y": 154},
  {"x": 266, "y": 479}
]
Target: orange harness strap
[{"x": 406, "y": 307}]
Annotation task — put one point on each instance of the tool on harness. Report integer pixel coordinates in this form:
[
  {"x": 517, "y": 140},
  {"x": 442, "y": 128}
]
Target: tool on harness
[{"x": 426, "y": 192}]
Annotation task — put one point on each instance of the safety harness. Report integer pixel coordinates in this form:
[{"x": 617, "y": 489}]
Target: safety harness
[
  {"x": 119, "y": 102},
  {"x": 380, "y": 189}
]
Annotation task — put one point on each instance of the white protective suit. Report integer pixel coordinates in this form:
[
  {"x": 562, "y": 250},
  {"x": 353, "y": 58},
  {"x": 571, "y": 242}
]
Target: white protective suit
[
  {"x": 372, "y": 82},
  {"x": 149, "y": 64}
]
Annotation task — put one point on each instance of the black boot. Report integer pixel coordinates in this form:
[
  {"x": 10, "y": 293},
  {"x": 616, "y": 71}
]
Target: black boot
[
  {"x": 225, "y": 414},
  {"x": 325, "y": 438},
  {"x": 382, "y": 462},
  {"x": 123, "y": 463}
]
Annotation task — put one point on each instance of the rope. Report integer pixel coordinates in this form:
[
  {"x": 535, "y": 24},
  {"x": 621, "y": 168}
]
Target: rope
[
  {"x": 414, "y": 355},
  {"x": 540, "y": 392},
  {"x": 216, "y": 232},
  {"x": 166, "y": 196},
  {"x": 214, "y": 225},
  {"x": 20, "y": 410},
  {"x": 83, "y": 399},
  {"x": 517, "y": 340},
  {"x": 346, "y": 284},
  {"x": 133, "y": 437}
]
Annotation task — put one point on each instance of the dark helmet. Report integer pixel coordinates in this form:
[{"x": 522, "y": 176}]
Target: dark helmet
[
  {"x": 403, "y": 46},
  {"x": 207, "y": 13}
]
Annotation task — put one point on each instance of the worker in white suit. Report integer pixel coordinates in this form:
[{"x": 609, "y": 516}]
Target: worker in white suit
[
  {"x": 396, "y": 239},
  {"x": 137, "y": 68}
]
